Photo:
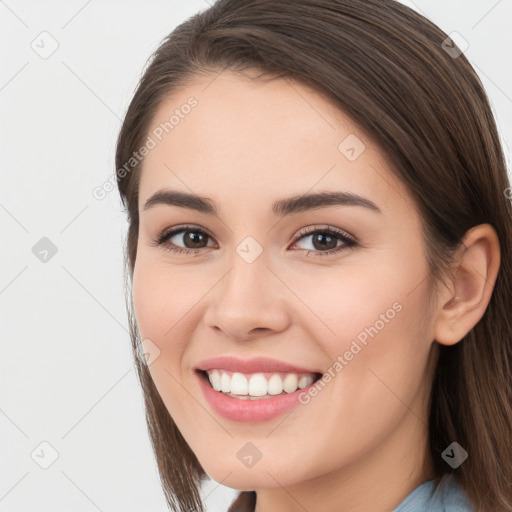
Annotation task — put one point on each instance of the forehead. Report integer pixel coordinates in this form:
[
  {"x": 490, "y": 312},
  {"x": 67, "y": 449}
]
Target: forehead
[{"x": 229, "y": 136}]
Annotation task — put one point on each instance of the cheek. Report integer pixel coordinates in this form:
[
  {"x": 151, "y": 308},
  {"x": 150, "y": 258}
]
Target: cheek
[
  {"x": 167, "y": 307},
  {"x": 383, "y": 301},
  {"x": 378, "y": 337},
  {"x": 378, "y": 359},
  {"x": 162, "y": 304},
  {"x": 161, "y": 301},
  {"x": 382, "y": 338},
  {"x": 163, "y": 298}
]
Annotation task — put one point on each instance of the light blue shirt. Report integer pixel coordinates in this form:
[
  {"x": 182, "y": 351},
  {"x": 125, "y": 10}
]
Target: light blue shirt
[{"x": 450, "y": 498}]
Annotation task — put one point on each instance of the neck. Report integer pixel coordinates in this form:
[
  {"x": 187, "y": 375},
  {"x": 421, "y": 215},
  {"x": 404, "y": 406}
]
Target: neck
[{"x": 379, "y": 481}]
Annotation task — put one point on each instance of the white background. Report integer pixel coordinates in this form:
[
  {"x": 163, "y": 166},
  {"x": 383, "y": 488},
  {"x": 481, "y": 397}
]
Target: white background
[{"x": 66, "y": 372}]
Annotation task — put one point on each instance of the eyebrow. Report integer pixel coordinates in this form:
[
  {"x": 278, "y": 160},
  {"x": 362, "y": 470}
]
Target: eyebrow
[{"x": 282, "y": 207}]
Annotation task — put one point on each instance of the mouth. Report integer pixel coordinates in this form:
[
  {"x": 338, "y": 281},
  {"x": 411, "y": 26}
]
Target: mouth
[
  {"x": 259, "y": 385},
  {"x": 247, "y": 397}
]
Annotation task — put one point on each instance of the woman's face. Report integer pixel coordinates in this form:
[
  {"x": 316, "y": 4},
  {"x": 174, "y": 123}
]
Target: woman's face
[{"x": 270, "y": 275}]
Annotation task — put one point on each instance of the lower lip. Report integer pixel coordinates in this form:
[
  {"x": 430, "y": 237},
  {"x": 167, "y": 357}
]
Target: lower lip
[{"x": 249, "y": 411}]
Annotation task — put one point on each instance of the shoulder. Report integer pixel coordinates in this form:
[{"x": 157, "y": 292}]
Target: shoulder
[{"x": 438, "y": 495}]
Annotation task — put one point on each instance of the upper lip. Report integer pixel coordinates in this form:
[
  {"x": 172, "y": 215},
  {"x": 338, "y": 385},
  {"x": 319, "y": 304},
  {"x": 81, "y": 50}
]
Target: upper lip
[{"x": 254, "y": 365}]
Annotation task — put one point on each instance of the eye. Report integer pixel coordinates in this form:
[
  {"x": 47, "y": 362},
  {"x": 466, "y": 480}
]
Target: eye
[
  {"x": 193, "y": 239},
  {"x": 324, "y": 240}
]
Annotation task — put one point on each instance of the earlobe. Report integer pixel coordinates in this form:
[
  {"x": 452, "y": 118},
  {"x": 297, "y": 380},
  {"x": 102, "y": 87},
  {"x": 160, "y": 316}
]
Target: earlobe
[{"x": 464, "y": 304}]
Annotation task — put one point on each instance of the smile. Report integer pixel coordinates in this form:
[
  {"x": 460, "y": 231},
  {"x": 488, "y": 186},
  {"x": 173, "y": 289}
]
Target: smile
[
  {"x": 257, "y": 386},
  {"x": 252, "y": 391}
]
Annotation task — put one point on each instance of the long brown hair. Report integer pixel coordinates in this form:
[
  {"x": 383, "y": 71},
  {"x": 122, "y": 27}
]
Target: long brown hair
[{"x": 396, "y": 74}]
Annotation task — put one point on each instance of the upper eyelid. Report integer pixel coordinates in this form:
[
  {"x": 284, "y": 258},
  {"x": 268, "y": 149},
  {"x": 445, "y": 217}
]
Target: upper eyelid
[
  {"x": 313, "y": 229},
  {"x": 176, "y": 230}
]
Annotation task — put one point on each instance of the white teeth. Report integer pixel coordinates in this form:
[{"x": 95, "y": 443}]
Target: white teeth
[
  {"x": 275, "y": 385},
  {"x": 215, "y": 380},
  {"x": 239, "y": 384},
  {"x": 290, "y": 383},
  {"x": 305, "y": 381},
  {"x": 258, "y": 384},
  {"x": 225, "y": 383}
]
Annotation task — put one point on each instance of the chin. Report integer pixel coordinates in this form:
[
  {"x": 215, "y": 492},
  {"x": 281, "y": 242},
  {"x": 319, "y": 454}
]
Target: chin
[{"x": 259, "y": 476}]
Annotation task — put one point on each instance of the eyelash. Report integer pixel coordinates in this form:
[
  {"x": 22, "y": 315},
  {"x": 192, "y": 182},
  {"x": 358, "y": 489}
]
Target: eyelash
[{"x": 163, "y": 237}]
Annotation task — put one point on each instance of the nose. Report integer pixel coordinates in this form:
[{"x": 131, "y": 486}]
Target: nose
[{"x": 250, "y": 301}]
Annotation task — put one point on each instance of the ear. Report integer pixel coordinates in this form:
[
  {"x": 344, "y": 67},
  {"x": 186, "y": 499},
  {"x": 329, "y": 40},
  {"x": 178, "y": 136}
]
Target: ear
[{"x": 464, "y": 302}]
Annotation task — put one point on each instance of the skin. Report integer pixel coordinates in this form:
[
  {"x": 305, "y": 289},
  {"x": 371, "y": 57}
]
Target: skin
[{"x": 361, "y": 443}]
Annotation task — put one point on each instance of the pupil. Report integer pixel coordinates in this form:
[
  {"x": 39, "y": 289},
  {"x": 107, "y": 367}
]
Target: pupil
[
  {"x": 323, "y": 239},
  {"x": 194, "y": 238}
]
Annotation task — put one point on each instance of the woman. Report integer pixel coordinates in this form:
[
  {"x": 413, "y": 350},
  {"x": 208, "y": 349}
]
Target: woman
[{"x": 319, "y": 273}]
